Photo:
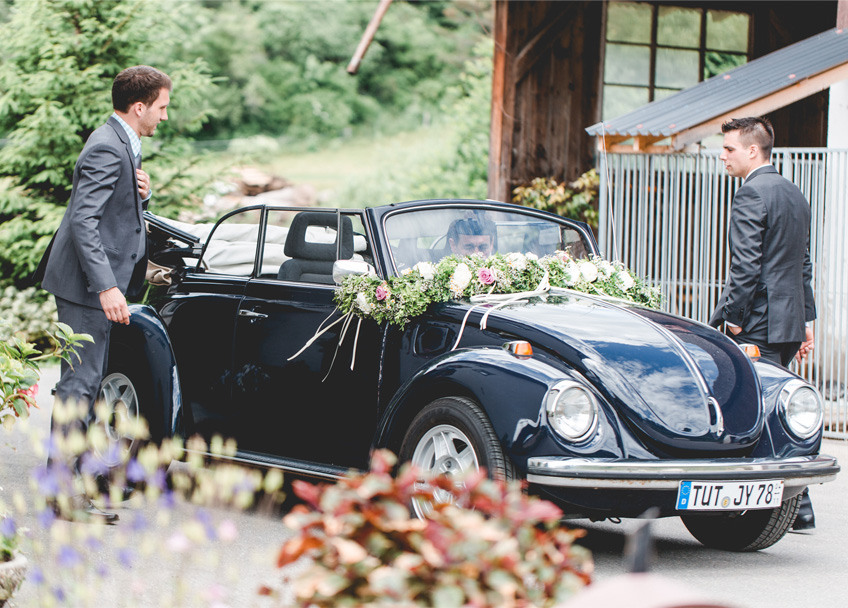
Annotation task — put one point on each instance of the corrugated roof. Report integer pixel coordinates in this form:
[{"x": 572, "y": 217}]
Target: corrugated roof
[{"x": 740, "y": 86}]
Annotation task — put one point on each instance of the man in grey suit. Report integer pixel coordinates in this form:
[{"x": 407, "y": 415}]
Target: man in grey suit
[
  {"x": 768, "y": 300},
  {"x": 99, "y": 253}
]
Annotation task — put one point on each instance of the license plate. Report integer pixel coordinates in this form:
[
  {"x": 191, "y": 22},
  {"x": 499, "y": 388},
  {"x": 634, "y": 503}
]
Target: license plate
[{"x": 729, "y": 495}]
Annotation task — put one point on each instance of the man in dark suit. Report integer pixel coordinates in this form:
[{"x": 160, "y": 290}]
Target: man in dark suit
[
  {"x": 99, "y": 253},
  {"x": 768, "y": 299}
]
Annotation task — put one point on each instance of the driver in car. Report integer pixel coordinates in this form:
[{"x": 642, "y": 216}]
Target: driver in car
[{"x": 472, "y": 235}]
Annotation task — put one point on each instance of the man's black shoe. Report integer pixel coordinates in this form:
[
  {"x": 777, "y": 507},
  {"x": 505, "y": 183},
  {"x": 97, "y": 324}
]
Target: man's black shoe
[{"x": 83, "y": 510}]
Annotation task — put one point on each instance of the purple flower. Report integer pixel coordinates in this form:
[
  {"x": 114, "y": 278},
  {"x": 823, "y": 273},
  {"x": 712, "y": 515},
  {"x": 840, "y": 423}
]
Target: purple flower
[
  {"x": 35, "y": 576},
  {"x": 135, "y": 472},
  {"x": 59, "y": 593},
  {"x": 139, "y": 523},
  {"x": 125, "y": 557},
  {"x": 68, "y": 557},
  {"x": 46, "y": 517},
  {"x": 47, "y": 480},
  {"x": 8, "y": 527},
  {"x": 486, "y": 276},
  {"x": 382, "y": 292}
]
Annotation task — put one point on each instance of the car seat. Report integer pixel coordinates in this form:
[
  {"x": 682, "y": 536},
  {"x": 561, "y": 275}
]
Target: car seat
[{"x": 312, "y": 262}]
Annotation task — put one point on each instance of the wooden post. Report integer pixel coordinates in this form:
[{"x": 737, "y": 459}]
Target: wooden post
[
  {"x": 503, "y": 100},
  {"x": 368, "y": 36},
  {"x": 842, "y": 14}
]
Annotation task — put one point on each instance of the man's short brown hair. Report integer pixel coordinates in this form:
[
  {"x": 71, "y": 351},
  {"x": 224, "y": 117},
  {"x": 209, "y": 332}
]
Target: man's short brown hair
[
  {"x": 753, "y": 130},
  {"x": 138, "y": 83}
]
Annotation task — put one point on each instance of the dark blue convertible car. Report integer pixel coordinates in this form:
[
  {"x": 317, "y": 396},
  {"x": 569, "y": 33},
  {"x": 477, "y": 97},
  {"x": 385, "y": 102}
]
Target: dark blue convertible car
[{"x": 604, "y": 405}]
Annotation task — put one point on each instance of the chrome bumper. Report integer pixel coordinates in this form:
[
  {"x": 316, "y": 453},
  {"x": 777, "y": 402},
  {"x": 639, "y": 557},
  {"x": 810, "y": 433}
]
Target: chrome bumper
[{"x": 614, "y": 474}]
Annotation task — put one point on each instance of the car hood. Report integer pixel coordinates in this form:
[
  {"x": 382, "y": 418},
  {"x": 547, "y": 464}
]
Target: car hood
[{"x": 681, "y": 385}]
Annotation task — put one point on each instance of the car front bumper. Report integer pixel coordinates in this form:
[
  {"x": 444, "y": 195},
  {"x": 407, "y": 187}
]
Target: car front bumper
[{"x": 619, "y": 474}]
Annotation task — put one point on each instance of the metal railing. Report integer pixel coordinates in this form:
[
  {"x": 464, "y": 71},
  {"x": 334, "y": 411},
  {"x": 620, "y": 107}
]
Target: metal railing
[{"x": 666, "y": 217}]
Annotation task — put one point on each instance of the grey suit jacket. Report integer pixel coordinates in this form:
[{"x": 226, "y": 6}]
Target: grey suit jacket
[
  {"x": 101, "y": 240},
  {"x": 770, "y": 270}
]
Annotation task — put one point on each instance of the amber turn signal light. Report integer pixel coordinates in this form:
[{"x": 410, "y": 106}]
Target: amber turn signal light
[
  {"x": 752, "y": 350},
  {"x": 519, "y": 348}
]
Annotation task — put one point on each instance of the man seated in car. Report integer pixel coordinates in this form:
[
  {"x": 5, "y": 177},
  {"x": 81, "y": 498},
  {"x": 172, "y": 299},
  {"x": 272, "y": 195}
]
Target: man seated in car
[{"x": 472, "y": 235}]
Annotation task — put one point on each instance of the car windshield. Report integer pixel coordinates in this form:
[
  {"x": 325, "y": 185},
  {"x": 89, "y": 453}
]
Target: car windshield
[{"x": 428, "y": 235}]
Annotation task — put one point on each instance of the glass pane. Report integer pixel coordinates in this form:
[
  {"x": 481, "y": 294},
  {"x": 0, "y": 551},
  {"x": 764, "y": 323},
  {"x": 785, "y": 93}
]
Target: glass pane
[
  {"x": 727, "y": 31},
  {"x": 627, "y": 64},
  {"x": 717, "y": 63},
  {"x": 621, "y": 100},
  {"x": 231, "y": 247},
  {"x": 629, "y": 22},
  {"x": 679, "y": 27},
  {"x": 676, "y": 69},
  {"x": 663, "y": 93}
]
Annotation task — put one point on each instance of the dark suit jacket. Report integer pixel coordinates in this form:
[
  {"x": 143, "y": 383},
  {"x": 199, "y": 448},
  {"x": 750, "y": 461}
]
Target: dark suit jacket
[
  {"x": 101, "y": 239},
  {"x": 770, "y": 270}
]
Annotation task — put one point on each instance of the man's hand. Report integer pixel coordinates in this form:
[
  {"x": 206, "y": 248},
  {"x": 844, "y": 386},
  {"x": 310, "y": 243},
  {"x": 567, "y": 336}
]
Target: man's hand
[
  {"x": 143, "y": 183},
  {"x": 115, "y": 306},
  {"x": 806, "y": 346},
  {"x": 734, "y": 329}
]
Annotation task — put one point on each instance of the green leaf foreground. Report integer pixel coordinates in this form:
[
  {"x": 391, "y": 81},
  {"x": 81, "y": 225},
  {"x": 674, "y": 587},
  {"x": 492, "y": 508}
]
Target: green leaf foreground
[{"x": 398, "y": 299}]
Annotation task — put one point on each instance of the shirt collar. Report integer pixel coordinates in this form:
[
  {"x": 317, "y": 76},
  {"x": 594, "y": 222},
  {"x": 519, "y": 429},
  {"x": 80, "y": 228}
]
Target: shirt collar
[
  {"x": 754, "y": 169},
  {"x": 135, "y": 140}
]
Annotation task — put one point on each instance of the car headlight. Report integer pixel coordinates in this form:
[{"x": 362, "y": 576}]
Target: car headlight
[
  {"x": 572, "y": 410},
  {"x": 801, "y": 408}
]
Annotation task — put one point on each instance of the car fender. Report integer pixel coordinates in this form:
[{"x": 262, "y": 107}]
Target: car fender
[
  {"x": 510, "y": 388},
  {"x": 149, "y": 340}
]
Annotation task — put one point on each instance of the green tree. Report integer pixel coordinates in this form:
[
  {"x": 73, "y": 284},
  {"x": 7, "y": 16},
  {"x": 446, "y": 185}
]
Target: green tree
[{"x": 59, "y": 58}]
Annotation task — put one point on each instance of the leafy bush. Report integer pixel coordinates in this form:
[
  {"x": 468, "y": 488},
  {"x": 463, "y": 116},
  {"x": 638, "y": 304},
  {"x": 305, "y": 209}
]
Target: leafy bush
[
  {"x": 577, "y": 200},
  {"x": 29, "y": 313},
  {"x": 59, "y": 58},
  {"x": 502, "y": 548}
]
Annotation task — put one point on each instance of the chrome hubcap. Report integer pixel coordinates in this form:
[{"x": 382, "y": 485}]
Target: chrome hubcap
[
  {"x": 443, "y": 450},
  {"x": 121, "y": 400}
]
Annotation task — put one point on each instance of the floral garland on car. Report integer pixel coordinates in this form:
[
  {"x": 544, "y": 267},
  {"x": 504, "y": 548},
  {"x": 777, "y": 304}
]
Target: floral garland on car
[{"x": 400, "y": 298}]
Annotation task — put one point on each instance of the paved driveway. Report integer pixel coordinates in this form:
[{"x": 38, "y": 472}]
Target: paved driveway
[{"x": 162, "y": 556}]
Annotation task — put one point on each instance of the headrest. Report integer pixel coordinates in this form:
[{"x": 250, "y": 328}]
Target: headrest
[{"x": 298, "y": 247}]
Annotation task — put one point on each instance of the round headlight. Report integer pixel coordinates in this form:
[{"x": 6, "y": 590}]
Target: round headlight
[
  {"x": 572, "y": 410},
  {"x": 801, "y": 409}
]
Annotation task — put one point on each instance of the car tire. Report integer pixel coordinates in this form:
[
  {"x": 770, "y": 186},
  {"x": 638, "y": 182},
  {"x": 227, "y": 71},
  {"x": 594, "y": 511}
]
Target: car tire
[
  {"x": 124, "y": 389},
  {"x": 746, "y": 530},
  {"x": 461, "y": 426}
]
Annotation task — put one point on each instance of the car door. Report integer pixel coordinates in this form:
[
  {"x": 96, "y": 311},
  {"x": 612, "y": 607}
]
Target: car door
[
  {"x": 201, "y": 319},
  {"x": 315, "y": 402}
]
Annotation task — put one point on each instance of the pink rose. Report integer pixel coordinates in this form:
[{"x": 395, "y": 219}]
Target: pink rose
[
  {"x": 382, "y": 292},
  {"x": 486, "y": 276},
  {"x": 31, "y": 391}
]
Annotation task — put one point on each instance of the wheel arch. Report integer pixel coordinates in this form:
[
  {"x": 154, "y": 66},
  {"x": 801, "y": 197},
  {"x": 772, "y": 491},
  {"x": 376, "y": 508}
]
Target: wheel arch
[
  {"x": 146, "y": 340},
  {"x": 509, "y": 389}
]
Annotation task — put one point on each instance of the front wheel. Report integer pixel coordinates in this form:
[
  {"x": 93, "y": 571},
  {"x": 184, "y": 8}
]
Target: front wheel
[
  {"x": 453, "y": 436},
  {"x": 744, "y": 530}
]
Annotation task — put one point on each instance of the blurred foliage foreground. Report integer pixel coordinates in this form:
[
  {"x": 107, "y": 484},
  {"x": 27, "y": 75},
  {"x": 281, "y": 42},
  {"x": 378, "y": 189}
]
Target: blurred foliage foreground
[{"x": 352, "y": 543}]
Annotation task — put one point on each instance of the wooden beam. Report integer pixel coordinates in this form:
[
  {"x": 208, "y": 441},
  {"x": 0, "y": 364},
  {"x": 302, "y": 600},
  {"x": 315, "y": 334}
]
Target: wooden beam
[
  {"x": 541, "y": 42},
  {"x": 842, "y": 14},
  {"x": 368, "y": 36},
  {"x": 610, "y": 141},
  {"x": 643, "y": 142},
  {"x": 761, "y": 106},
  {"x": 503, "y": 109}
]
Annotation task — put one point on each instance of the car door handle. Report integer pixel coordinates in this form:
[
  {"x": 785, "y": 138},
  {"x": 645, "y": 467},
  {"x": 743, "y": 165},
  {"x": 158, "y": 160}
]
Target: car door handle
[{"x": 253, "y": 316}]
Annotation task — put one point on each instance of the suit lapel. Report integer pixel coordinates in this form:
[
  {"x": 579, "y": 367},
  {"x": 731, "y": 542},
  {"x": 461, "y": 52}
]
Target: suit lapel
[{"x": 122, "y": 135}]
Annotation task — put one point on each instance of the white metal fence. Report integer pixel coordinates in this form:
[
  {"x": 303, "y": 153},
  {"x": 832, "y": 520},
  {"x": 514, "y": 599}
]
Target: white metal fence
[{"x": 666, "y": 217}]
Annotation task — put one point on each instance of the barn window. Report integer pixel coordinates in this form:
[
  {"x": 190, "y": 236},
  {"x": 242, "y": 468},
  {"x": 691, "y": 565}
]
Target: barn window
[{"x": 653, "y": 51}]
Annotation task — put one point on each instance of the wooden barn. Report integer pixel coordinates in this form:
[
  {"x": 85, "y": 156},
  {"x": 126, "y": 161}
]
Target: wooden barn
[{"x": 561, "y": 66}]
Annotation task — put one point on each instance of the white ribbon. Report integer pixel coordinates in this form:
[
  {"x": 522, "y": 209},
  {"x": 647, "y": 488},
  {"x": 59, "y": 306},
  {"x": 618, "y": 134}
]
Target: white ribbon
[{"x": 502, "y": 299}]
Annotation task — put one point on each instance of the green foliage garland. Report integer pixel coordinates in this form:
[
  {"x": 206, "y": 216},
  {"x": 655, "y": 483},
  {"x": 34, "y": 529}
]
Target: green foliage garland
[{"x": 399, "y": 298}]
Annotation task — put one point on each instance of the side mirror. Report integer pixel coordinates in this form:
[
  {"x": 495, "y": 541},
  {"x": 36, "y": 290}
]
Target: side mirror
[{"x": 343, "y": 268}]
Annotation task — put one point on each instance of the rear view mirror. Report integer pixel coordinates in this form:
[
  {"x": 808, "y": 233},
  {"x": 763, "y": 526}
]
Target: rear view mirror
[{"x": 343, "y": 268}]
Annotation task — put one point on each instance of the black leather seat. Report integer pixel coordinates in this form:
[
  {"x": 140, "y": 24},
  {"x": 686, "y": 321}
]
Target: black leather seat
[{"x": 313, "y": 262}]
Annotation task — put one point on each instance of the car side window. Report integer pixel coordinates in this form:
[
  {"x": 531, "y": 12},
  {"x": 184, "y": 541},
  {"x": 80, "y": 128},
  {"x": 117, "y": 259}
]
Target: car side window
[
  {"x": 301, "y": 246},
  {"x": 231, "y": 246}
]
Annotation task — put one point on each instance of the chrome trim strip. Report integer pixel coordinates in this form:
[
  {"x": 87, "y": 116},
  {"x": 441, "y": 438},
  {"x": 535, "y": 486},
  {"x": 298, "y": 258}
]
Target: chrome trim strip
[{"x": 666, "y": 475}]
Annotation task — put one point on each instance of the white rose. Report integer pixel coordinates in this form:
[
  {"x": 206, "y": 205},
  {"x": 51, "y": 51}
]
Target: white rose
[
  {"x": 460, "y": 279},
  {"x": 516, "y": 260},
  {"x": 573, "y": 272},
  {"x": 588, "y": 271},
  {"x": 607, "y": 268},
  {"x": 626, "y": 280},
  {"x": 531, "y": 256},
  {"x": 426, "y": 270},
  {"x": 362, "y": 303}
]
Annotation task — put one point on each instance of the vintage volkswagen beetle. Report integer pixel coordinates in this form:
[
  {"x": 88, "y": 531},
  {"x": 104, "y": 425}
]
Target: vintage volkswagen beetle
[{"x": 605, "y": 407}]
